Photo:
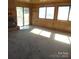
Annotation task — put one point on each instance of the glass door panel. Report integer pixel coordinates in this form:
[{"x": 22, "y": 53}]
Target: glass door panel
[
  {"x": 19, "y": 16},
  {"x": 26, "y": 16}
]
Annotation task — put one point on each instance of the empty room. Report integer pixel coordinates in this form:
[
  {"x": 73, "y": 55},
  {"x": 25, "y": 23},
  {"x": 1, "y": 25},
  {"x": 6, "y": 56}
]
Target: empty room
[{"x": 39, "y": 29}]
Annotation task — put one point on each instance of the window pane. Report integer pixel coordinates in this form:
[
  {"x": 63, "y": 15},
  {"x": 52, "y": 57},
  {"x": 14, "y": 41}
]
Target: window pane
[
  {"x": 63, "y": 13},
  {"x": 42, "y": 12},
  {"x": 50, "y": 13}
]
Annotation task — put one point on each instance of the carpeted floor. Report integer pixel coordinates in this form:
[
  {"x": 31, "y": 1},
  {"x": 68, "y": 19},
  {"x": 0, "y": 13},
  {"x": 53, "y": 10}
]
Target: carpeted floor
[{"x": 26, "y": 45}]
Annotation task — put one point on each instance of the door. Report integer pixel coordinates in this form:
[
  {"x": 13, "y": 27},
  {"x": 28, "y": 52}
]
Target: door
[{"x": 22, "y": 17}]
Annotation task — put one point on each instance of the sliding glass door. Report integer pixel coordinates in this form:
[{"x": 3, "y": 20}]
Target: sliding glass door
[{"x": 22, "y": 16}]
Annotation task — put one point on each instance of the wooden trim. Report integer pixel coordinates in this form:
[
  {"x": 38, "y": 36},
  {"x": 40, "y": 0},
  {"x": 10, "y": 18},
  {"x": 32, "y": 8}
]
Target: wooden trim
[
  {"x": 23, "y": 4},
  {"x": 30, "y": 16},
  {"x": 56, "y": 12}
]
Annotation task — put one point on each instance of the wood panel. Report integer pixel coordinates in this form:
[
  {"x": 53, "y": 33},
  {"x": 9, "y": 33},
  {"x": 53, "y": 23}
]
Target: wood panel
[
  {"x": 36, "y": 5},
  {"x": 48, "y": 1},
  {"x": 23, "y": 4},
  {"x": 12, "y": 8},
  {"x": 12, "y": 13},
  {"x": 43, "y": 1},
  {"x": 53, "y": 24},
  {"x": 24, "y": 0}
]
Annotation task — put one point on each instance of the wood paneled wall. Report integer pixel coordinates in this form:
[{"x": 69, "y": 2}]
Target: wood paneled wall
[
  {"x": 12, "y": 9},
  {"x": 43, "y": 1},
  {"x": 23, "y": 4},
  {"x": 50, "y": 23}
]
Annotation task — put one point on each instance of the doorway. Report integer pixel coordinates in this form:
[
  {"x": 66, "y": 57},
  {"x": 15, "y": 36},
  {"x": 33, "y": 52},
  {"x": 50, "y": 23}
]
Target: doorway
[{"x": 22, "y": 17}]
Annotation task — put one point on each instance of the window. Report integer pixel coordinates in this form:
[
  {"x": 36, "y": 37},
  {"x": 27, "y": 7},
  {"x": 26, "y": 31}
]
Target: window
[
  {"x": 63, "y": 13},
  {"x": 46, "y": 12}
]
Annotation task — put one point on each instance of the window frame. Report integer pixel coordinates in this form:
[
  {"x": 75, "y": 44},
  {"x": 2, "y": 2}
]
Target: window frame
[{"x": 69, "y": 13}]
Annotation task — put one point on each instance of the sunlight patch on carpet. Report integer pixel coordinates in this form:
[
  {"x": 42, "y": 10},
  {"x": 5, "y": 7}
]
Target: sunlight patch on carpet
[
  {"x": 41, "y": 32},
  {"x": 62, "y": 38}
]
